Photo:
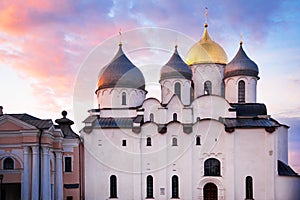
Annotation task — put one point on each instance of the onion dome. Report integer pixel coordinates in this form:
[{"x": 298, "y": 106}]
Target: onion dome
[
  {"x": 241, "y": 65},
  {"x": 121, "y": 73},
  {"x": 175, "y": 68},
  {"x": 206, "y": 51}
]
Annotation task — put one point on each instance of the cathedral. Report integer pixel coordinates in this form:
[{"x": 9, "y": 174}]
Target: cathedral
[{"x": 207, "y": 138}]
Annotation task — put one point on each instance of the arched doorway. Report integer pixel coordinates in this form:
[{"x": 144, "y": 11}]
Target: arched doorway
[{"x": 210, "y": 191}]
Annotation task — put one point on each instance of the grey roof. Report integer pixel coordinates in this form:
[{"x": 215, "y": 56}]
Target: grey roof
[
  {"x": 249, "y": 122},
  {"x": 249, "y": 109},
  {"x": 121, "y": 72},
  {"x": 175, "y": 68},
  {"x": 115, "y": 122},
  {"x": 38, "y": 123},
  {"x": 285, "y": 170},
  {"x": 241, "y": 64}
]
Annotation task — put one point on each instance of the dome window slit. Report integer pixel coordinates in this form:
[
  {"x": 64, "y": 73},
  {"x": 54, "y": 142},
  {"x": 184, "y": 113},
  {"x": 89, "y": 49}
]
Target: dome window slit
[
  {"x": 207, "y": 88},
  {"x": 151, "y": 117},
  {"x": 148, "y": 141},
  {"x": 174, "y": 116},
  {"x": 177, "y": 90},
  {"x": 241, "y": 91},
  {"x": 123, "y": 98}
]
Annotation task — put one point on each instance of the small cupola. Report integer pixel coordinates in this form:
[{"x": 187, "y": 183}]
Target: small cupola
[
  {"x": 175, "y": 68},
  {"x": 206, "y": 51},
  {"x": 241, "y": 65},
  {"x": 121, "y": 73},
  {"x": 120, "y": 84},
  {"x": 176, "y": 79}
]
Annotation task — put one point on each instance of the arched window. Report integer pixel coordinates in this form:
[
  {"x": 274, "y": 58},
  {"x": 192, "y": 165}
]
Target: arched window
[
  {"x": 212, "y": 167},
  {"x": 177, "y": 90},
  {"x": 223, "y": 89},
  {"x": 175, "y": 187},
  {"x": 113, "y": 186},
  {"x": 8, "y": 163},
  {"x": 249, "y": 187},
  {"x": 123, "y": 98},
  {"x": 207, "y": 88},
  {"x": 174, "y": 117},
  {"x": 198, "y": 141},
  {"x": 174, "y": 141},
  {"x": 241, "y": 92},
  {"x": 149, "y": 187},
  {"x": 151, "y": 117},
  {"x": 148, "y": 141}
]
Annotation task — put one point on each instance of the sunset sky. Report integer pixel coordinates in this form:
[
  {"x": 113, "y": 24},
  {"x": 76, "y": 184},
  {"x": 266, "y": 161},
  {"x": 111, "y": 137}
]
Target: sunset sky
[{"x": 44, "y": 44}]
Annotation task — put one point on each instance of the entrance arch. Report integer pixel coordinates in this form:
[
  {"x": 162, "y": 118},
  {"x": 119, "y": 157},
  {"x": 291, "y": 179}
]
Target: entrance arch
[{"x": 210, "y": 191}]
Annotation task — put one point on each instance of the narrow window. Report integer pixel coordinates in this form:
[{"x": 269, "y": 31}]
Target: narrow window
[
  {"x": 249, "y": 187},
  {"x": 212, "y": 167},
  {"x": 149, "y": 187},
  {"x": 69, "y": 197},
  {"x": 123, "y": 143},
  {"x": 123, "y": 98},
  {"x": 113, "y": 186},
  {"x": 151, "y": 117},
  {"x": 177, "y": 90},
  {"x": 222, "y": 89},
  {"x": 207, "y": 88},
  {"x": 174, "y": 117},
  {"x": 175, "y": 187},
  {"x": 68, "y": 164},
  {"x": 174, "y": 141},
  {"x": 198, "y": 141},
  {"x": 241, "y": 92},
  {"x": 8, "y": 163},
  {"x": 148, "y": 141},
  {"x": 162, "y": 191}
]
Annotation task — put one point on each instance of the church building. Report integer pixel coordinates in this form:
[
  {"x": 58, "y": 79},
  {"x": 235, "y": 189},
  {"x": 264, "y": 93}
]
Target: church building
[{"x": 208, "y": 138}]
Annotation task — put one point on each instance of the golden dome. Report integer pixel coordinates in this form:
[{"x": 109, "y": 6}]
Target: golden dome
[{"x": 206, "y": 51}]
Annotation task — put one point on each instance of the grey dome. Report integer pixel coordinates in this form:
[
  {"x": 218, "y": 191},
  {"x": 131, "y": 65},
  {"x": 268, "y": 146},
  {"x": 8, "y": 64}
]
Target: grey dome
[
  {"x": 121, "y": 73},
  {"x": 175, "y": 68},
  {"x": 241, "y": 64}
]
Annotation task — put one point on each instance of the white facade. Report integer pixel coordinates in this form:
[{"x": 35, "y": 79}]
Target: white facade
[{"x": 209, "y": 147}]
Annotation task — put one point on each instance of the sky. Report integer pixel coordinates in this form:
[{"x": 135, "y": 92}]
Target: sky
[{"x": 45, "y": 47}]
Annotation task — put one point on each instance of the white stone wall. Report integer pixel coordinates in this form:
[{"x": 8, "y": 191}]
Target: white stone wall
[
  {"x": 207, "y": 72},
  {"x": 282, "y": 144},
  {"x": 168, "y": 86},
  {"x": 231, "y": 88},
  {"x": 112, "y": 97},
  {"x": 251, "y": 155},
  {"x": 287, "y": 187}
]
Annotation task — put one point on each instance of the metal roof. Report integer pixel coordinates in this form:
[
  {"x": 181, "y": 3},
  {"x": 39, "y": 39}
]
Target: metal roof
[
  {"x": 121, "y": 72},
  {"x": 285, "y": 170},
  {"x": 249, "y": 122},
  {"x": 250, "y": 109},
  {"x": 115, "y": 122},
  {"x": 241, "y": 64},
  {"x": 38, "y": 123},
  {"x": 175, "y": 68}
]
